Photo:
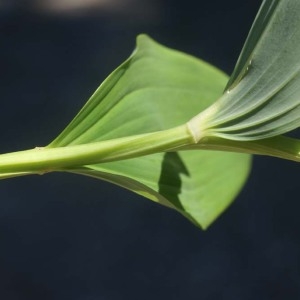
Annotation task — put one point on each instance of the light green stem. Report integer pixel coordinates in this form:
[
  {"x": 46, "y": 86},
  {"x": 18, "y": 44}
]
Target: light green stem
[
  {"x": 279, "y": 146},
  {"x": 42, "y": 160},
  {"x": 47, "y": 159}
]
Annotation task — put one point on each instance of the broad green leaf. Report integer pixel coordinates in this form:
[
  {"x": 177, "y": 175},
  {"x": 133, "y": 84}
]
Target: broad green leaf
[
  {"x": 263, "y": 99},
  {"x": 260, "y": 23},
  {"x": 157, "y": 89},
  {"x": 151, "y": 91}
]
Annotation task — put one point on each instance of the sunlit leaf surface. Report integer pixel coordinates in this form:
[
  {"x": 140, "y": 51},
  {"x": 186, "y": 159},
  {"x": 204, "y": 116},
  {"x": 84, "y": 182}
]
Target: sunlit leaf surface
[{"x": 156, "y": 89}]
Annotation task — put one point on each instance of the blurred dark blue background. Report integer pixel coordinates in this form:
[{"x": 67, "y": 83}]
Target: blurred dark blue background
[{"x": 69, "y": 237}]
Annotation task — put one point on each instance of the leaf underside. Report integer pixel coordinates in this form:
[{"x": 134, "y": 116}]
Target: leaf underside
[
  {"x": 157, "y": 89},
  {"x": 263, "y": 93}
]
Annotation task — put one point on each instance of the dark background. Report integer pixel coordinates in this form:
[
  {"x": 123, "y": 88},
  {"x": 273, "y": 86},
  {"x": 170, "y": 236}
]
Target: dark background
[{"x": 70, "y": 237}]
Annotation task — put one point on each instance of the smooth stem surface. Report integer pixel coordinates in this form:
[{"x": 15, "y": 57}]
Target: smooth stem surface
[
  {"x": 42, "y": 160},
  {"x": 279, "y": 146}
]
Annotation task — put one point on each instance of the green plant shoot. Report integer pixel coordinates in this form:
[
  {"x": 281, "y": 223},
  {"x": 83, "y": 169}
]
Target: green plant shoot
[{"x": 178, "y": 131}]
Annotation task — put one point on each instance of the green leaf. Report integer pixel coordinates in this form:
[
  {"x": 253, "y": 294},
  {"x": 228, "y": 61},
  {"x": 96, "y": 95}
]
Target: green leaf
[
  {"x": 141, "y": 94},
  {"x": 258, "y": 28},
  {"x": 263, "y": 99},
  {"x": 157, "y": 89}
]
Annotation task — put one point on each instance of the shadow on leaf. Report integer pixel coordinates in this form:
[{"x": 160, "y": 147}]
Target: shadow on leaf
[{"x": 170, "y": 182}]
